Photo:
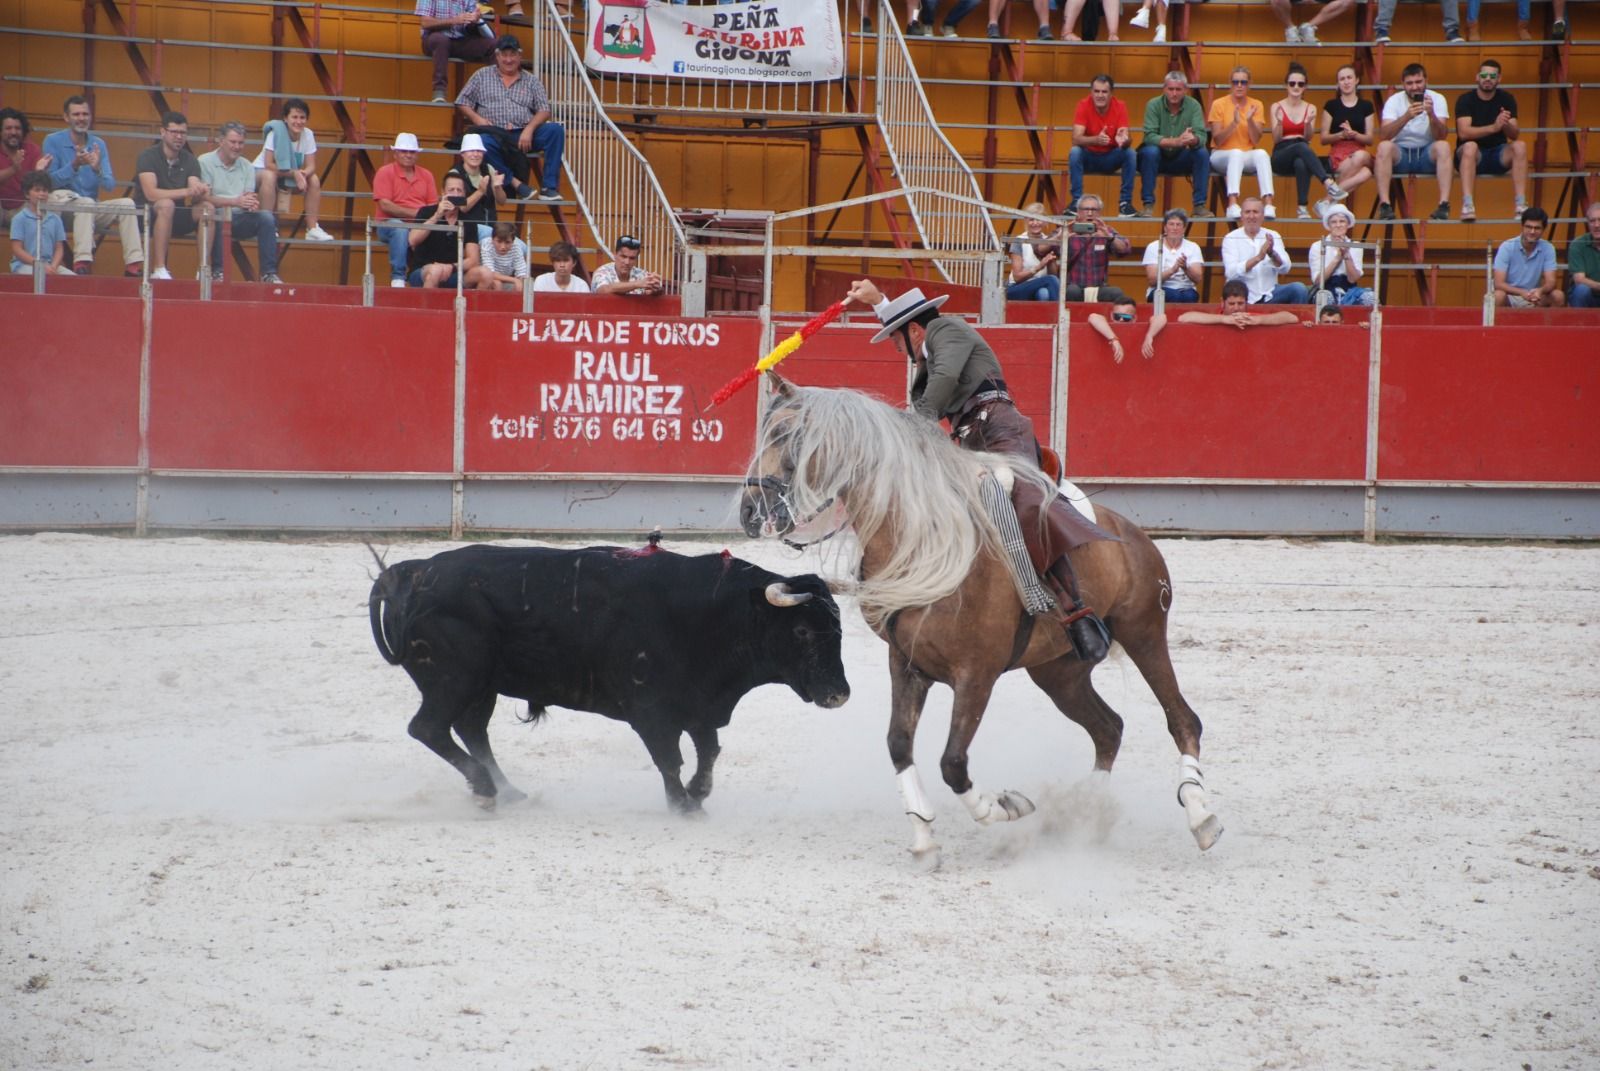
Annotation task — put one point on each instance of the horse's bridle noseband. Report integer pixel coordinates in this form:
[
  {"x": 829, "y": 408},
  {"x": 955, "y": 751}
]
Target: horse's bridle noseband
[{"x": 779, "y": 489}]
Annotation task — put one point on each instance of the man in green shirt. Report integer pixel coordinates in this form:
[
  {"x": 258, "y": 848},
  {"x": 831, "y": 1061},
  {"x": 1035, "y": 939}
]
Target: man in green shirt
[
  {"x": 1583, "y": 261},
  {"x": 1174, "y": 143},
  {"x": 232, "y": 180}
]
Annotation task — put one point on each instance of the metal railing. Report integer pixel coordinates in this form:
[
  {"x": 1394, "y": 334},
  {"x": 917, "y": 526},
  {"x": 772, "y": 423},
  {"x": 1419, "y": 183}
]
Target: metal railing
[
  {"x": 612, "y": 182},
  {"x": 924, "y": 159}
]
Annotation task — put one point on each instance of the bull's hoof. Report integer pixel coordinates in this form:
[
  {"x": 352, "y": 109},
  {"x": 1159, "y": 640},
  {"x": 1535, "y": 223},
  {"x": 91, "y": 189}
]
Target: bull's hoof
[
  {"x": 484, "y": 802},
  {"x": 1207, "y": 833}
]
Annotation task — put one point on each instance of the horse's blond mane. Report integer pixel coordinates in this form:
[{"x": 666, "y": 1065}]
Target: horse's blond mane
[{"x": 894, "y": 469}]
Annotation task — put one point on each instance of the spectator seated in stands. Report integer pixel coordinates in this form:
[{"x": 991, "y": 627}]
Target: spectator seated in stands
[
  {"x": 1237, "y": 123},
  {"x": 1111, "y": 9},
  {"x": 1583, "y": 261},
  {"x": 485, "y": 185},
  {"x": 623, "y": 275},
  {"x": 564, "y": 278},
  {"x": 1414, "y": 134},
  {"x": 1173, "y": 263},
  {"x": 287, "y": 164},
  {"x": 1294, "y": 119},
  {"x": 1336, "y": 263},
  {"x": 1236, "y": 311},
  {"x": 922, "y": 14},
  {"x": 1141, "y": 18},
  {"x": 399, "y": 189},
  {"x": 1449, "y": 9},
  {"x": 1041, "y": 8},
  {"x": 1035, "y": 256},
  {"x": 1125, "y": 312},
  {"x": 1558, "y": 29},
  {"x": 1487, "y": 139},
  {"x": 233, "y": 196},
  {"x": 36, "y": 232},
  {"x": 1525, "y": 267},
  {"x": 505, "y": 260},
  {"x": 508, "y": 107},
  {"x": 433, "y": 253},
  {"x": 1349, "y": 129},
  {"x": 80, "y": 168},
  {"x": 452, "y": 29},
  {"x": 19, "y": 158},
  {"x": 1306, "y": 32},
  {"x": 169, "y": 181},
  {"x": 1100, "y": 143},
  {"x": 1257, "y": 256},
  {"x": 1088, "y": 255},
  {"x": 1174, "y": 143}
]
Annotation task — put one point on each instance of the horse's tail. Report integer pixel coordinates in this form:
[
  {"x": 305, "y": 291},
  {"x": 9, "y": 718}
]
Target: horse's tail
[{"x": 388, "y": 609}]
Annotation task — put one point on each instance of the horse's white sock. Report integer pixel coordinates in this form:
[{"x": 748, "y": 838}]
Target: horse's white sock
[{"x": 912, "y": 794}]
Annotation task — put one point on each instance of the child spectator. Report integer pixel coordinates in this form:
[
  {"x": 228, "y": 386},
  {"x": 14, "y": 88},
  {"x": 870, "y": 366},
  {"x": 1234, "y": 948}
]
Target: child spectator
[
  {"x": 36, "y": 232},
  {"x": 563, "y": 280},
  {"x": 505, "y": 261}
]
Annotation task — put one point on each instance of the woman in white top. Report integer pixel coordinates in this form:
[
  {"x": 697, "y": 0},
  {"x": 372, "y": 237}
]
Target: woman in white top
[
  {"x": 1172, "y": 262},
  {"x": 1035, "y": 255},
  {"x": 1336, "y": 262}
]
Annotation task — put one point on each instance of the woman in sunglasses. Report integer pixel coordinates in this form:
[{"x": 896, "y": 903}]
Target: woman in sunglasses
[
  {"x": 1237, "y": 122},
  {"x": 1293, "y": 120}
]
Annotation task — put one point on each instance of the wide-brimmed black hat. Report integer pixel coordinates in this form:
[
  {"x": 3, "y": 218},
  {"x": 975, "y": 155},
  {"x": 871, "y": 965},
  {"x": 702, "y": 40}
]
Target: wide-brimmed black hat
[{"x": 903, "y": 309}]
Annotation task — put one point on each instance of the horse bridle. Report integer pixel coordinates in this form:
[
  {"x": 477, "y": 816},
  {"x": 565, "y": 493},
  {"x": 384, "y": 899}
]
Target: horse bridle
[{"x": 779, "y": 489}]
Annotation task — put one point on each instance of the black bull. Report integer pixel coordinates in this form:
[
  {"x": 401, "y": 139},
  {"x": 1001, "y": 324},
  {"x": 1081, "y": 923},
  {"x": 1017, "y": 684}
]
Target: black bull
[{"x": 667, "y": 643}]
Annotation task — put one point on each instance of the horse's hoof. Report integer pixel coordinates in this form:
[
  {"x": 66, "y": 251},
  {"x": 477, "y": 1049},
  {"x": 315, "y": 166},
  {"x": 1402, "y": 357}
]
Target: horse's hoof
[
  {"x": 1207, "y": 832},
  {"x": 484, "y": 802},
  {"x": 927, "y": 860},
  {"x": 1016, "y": 805},
  {"x": 512, "y": 794}
]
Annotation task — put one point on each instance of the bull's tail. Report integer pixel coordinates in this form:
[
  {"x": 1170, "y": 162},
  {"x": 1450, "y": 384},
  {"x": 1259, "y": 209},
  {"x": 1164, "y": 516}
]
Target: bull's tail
[{"x": 388, "y": 609}]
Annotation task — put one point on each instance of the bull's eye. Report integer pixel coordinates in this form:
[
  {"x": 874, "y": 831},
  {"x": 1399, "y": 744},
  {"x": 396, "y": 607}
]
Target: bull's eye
[{"x": 803, "y": 633}]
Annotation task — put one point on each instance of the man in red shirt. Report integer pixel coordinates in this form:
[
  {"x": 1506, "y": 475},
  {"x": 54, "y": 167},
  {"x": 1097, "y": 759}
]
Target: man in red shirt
[
  {"x": 18, "y": 157},
  {"x": 1100, "y": 143},
  {"x": 400, "y": 188}
]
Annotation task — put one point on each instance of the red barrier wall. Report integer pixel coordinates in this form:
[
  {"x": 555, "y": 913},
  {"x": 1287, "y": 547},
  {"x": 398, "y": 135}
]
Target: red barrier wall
[
  {"x": 591, "y": 394},
  {"x": 1497, "y": 403},
  {"x": 1267, "y": 403},
  {"x": 316, "y": 388},
  {"x": 69, "y": 380}
]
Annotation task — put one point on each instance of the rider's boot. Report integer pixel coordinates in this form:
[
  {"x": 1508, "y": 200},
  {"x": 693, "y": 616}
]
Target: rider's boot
[{"x": 1088, "y": 633}]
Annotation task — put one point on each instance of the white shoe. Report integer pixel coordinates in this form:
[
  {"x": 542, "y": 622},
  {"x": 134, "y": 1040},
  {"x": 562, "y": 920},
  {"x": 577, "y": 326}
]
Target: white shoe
[
  {"x": 1270, "y": 211},
  {"x": 1141, "y": 18},
  {"x": 1161, "y": 35},
  {"x": 1233, "y": 211},
  {"x": 1291, "y": 34},
  {"x": 948, "y": 31},
  {"x": 401, "y": 283},
  {"x": 160, "y": 273},
  {"x": 1301, "y": 213},
  {"x": 1308, "y": 35},
  {"x": 1323, "y": 206},
  {"x": 317, "y": 234}
]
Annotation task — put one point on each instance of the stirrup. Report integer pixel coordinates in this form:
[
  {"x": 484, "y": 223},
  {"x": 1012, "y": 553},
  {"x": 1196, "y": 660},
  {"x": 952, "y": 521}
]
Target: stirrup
[{"x": 1090, "y": 638}]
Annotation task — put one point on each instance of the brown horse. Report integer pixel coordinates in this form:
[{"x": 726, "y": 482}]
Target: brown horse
[{"x": 935, "y": 585}]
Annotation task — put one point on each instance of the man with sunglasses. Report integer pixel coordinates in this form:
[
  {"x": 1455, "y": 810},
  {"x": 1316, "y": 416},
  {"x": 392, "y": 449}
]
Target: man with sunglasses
[
  {"x": 959, "y": 379},
  {"x": 168, "y": 179},
  {"x": 1487, "y": 139},
  {"x": 623, "y": 275}
]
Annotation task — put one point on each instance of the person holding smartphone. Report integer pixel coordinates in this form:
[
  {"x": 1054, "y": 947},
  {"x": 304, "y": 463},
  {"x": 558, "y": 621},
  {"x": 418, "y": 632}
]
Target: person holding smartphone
[
  {"x": 1088, "y": 251},
  {"x": 1414, "y": 139}
]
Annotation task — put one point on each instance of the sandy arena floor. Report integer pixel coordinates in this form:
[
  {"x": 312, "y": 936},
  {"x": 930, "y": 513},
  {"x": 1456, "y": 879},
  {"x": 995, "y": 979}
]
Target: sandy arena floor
[{"x": 220, "y": 849}]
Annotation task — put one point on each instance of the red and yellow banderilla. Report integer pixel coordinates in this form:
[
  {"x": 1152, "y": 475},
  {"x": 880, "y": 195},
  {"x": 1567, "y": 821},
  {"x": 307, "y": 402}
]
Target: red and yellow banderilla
[{"x": 779, "y": 352}]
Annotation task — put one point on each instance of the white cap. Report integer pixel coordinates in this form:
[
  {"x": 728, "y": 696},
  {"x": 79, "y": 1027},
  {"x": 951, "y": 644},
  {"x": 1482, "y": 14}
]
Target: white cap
[
  {"x": 406, "y": 143},
  {"x": 1339, "y": 210},
  {"x": 472, "y": 143}
]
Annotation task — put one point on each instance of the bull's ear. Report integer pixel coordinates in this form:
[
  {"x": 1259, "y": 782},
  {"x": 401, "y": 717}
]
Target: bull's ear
[{"x": 779, "y": 384}]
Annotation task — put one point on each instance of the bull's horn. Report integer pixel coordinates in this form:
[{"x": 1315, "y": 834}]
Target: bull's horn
[{"x": 778, "y": 594}]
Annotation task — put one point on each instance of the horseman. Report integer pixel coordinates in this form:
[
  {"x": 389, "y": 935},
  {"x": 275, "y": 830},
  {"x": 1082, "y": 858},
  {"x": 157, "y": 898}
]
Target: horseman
[{"x": 959, "y": 378}]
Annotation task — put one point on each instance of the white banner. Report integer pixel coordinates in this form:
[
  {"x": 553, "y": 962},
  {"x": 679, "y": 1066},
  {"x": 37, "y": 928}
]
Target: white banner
[{"x": 758, "y": 41}]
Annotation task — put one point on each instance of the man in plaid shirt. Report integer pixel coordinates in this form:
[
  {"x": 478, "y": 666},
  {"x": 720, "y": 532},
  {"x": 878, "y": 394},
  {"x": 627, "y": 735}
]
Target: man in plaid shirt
[
  {"x": 510, "y": 109},
  {"x": 1087, "y": 254},
  {"x": 452, "y": 28}
]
